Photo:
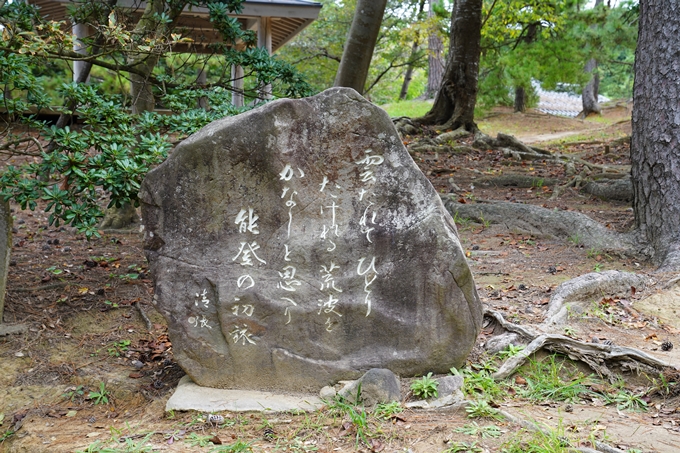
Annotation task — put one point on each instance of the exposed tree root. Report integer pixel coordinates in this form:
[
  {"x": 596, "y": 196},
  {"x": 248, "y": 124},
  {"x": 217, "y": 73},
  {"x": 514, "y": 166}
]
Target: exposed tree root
[
  {"x": 584, "y": 287},
  {"x": 447, "y": 137},
  {"x": 510, "y": 146},
  {"x": 39, "y": 288},
  {"x": 616, "y": 189},
  {"x": 522, "y": 181},
  {"x": 670, "y": 283},
  {"x": 539, "y": 221},
  {"x": 405, "y": 126},
  {"x": 145, "y": 318},
  {"x": 600, "y": 357},
  {"x": 557, "y": 190}
]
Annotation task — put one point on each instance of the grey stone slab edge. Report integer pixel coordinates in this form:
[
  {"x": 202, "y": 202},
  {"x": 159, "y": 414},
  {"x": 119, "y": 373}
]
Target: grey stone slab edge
[
  {"x": 6, "y": 329},
  {"x": 189, "y": 396}
]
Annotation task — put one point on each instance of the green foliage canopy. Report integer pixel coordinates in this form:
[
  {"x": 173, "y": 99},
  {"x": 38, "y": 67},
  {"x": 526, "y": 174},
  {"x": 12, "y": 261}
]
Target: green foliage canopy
[{"x": 106, "y": 156}]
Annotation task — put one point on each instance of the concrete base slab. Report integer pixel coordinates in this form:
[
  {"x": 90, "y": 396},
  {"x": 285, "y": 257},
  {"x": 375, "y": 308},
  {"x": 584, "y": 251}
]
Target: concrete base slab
[{"x": 189, "y": 396}]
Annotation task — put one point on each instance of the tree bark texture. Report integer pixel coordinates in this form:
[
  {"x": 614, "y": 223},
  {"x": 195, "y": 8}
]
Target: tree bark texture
[
  {"x": 356, "y": 58},
  {"x": 408, "y": 75},
  {"x": 454, "y": 105},
  {"x": 655, "y": 141},
  {"x": 141, "y": 91},
  {"x": 435, "y": 59},
  {"x": 591, "y": 90},
  {"x": 520, "y": 99}
]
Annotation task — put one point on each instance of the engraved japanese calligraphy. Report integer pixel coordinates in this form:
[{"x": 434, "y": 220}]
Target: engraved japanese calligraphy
[{"x": 298, "y": 244}]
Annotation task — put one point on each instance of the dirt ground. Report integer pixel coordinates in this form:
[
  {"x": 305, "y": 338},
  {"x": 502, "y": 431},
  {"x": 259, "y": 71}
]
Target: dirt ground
[{"x": 83, "y": 302}]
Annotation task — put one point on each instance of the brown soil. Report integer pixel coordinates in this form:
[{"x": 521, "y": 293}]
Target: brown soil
[{"x": 82, "y": 299}]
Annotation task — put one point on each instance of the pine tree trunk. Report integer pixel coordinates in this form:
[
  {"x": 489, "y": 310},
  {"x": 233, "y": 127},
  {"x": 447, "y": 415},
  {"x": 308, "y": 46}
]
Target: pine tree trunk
[
  {"x": 361, "y": 40},
  {"x": 655, "y": 144},
  {"x": 435, "y": 59},
  {"x": 520, "y": 99},
  {"x": 590, "y": 91},
  {"x": 454, "y": 105},
  {"x": 408, "y": 75}
]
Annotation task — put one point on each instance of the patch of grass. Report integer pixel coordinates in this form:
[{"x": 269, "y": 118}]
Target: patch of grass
[
  {"x": 356, "y": 417},
  {"x": 118, "y": 348},
  {"x": 6, "y": 435},
  {"x": 425, "y": 388},
  {"x": 662, "y": 385},
  {"x": 510, "y": 351},
  {"x": 485, "y": 432},
  {"x": 480, "y": 383},
  {"x": 238, "y": 447},
  {"x": 482, "y": 409},
  {"x": 545, "y": 381},
  {"x": 463, "y": 447},
  {"x": 575, "y": 239},
  {"x": 412, "y": 109},
  {"x": 599, "y": 310},
  {"x": 129, "y": 446},
  {"x": 196, "y": 440},
  {"x": 537, "y": 442},
  {"x": 593, "y": 253},
  {"x": 569, "y": 331},
  {"x": 101, "y": 396},
  {"x": 74, "y": 393},
  {"x": 630, "y": 401},
  {"x": 462, "y": 222},
  {"x": 386, "y": 411}
]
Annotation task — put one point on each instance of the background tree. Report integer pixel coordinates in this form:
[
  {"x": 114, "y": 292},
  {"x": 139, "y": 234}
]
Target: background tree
[
  {"x": 548, "y": 43},
  {"x": 356, "y": 58},
  {"x": 408, "y": 75},
  {"x": 454, "y": 105},
  {"x": 591, "y": 90},
  {"x": 317, "y": 51},
  {"x": 655, "y": 145},
  {"x": 435, "y": 51}
]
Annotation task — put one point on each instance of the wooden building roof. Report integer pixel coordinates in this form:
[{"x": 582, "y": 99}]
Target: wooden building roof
[{"x": 288, "y": 18}]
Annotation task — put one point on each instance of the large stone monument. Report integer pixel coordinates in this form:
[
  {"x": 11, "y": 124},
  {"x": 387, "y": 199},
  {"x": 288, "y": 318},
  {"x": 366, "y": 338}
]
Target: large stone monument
[{"x": 298, "y": 244}]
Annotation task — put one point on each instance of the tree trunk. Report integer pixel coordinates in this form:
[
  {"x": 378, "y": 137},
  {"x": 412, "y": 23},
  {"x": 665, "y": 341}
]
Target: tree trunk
[
  {"x": 454, "y": 105},
  {"x": 408, "y": 76},
  {"x": 358, "y": 52},
  {"x": 655, "y": 143},
  {"x": 141, "y": 91},
  {"x": 590, "y": 91},
  {"x": 520, "y": 99},
  {"x": 435, "y": 59}
]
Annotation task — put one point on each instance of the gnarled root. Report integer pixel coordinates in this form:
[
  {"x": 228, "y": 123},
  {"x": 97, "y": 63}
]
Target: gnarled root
[
  {"x": 600, "y": 357},
  {"x": 586, "y": 286}
]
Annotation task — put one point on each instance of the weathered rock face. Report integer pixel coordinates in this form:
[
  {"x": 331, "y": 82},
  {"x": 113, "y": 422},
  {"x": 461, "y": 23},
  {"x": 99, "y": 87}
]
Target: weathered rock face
[{"x": 298, "y": 244}]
